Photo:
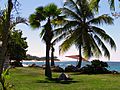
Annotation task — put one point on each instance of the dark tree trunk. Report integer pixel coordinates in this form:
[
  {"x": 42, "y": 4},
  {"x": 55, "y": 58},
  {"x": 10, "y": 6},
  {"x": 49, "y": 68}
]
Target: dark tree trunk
[
  {"x": 47, "y": 38},
  {"x": 5, "y": 38},
  {"x": 5, "y": 35},
  {"x": 47, "y": 68},
  {"x": 52, "y": 56},
  {"x": 80, "y": 58}
]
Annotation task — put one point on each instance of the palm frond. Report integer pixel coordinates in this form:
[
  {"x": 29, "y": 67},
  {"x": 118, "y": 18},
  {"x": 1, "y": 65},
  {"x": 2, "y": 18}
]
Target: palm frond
[
  {"x": 70, "y": 40},
  {"x": 94, "y": 47},
  {"x": 84, "y": 7},
  {"x": 34, "y": 23},
  {"x": 59, "y": 35},
  {"x": 94, "y": 5},
  {"x": 71, "y": 4},
  {"x": 59, "y": 21},
  {"x": 66, "y": 45},
  {"x": 60, "y": 38},
  {"x": 104, "y": 48},
  {"x": 86, "y": 44},
  {"x": 105, "y": 37},
  {"x": 101, "y": 20},
  {"x": 111, "y": 2},
  {"x": 70, "y": 14},
  {"x": 66, "y": 28},
  {"x": 52, "y": 10}
]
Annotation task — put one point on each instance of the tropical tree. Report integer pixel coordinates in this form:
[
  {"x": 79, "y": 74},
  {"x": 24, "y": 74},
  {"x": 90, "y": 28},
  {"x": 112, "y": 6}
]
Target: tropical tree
[
  {"x": 17, "y": 46},
  {"x": 13, "y": 23},
  {"x": 5, "y": 27},
  {"x": 46, "y": 14},
  {"x": 81, "y": 30},
  {"x": 5, "y": 33}
]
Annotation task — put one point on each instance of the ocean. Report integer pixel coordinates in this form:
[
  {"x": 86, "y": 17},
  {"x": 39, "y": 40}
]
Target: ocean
[{"x": 112, "y": 65}]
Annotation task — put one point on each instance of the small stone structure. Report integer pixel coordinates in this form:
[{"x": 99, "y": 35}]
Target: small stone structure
[{"x": 63, "y": 76}]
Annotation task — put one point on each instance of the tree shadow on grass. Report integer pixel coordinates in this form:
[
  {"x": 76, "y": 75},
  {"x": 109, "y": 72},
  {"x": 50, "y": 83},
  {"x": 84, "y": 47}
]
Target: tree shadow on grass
[{"x": 55, "y": 80}]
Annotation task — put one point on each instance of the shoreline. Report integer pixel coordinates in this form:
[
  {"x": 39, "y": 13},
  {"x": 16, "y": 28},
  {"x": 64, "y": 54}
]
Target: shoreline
[{"x": 62, "y": 61}]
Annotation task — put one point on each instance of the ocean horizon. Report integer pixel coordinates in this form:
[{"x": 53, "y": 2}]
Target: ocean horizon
[{"x": 113, "y": 65}]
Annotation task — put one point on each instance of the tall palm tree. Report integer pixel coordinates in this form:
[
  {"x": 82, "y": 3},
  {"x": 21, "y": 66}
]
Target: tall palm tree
[
  {"x": 47, "y": 14},
  {"x": 80, "y": 30}
]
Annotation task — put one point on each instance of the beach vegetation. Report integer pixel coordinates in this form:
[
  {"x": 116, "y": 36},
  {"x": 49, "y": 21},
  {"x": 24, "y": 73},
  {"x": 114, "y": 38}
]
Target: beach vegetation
[
  {"x": 17, "y": 47},
  {"x": 57, "y": 69},
  {"x": 5, "y": 26},
  {"x": 81, "y": 29},
  {"x": 71, "y": 68},
  {"x": 46, "y": 14},
  {"x": 96, "y": 67}
]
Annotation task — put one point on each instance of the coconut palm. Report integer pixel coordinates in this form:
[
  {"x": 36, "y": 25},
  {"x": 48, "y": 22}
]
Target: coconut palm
[
  {"x": 47, "y": 14},
  {"x": 80, "y": 30}
]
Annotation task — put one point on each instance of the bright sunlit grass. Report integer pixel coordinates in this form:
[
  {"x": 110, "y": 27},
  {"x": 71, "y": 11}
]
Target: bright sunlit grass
[{"x": 34, "y": 79}]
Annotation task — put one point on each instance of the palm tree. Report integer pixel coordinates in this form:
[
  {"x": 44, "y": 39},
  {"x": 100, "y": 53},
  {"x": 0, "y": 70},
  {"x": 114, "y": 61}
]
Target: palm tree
[
  {"x": 80, "y": 30},
  {"x": 47, "y": 14}
]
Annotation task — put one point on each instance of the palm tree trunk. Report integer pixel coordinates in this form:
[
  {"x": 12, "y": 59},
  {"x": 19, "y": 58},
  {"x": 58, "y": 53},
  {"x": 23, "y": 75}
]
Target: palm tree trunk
[
  {"x": 52, "y": 57},
  {"x": 80, "y": 58},
  {"x": 48, "y": 72}
]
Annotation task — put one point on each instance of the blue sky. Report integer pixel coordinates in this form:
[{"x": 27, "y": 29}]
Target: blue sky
[{"x": 37, "y": 47}]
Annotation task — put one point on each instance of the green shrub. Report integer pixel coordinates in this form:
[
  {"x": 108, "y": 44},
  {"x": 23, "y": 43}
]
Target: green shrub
[
  {"x": 96, "y": 67},
  {"x": 71, "y": 68},
  {"x": 57, "y": 69}
]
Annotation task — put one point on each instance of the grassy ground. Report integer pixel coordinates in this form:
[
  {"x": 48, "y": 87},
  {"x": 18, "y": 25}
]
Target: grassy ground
[{"x": 33, "y": 79}]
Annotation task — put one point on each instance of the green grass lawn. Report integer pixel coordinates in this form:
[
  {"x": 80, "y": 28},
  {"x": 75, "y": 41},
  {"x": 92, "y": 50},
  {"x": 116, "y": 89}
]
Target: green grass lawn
[{"x": 34, "y": 79}]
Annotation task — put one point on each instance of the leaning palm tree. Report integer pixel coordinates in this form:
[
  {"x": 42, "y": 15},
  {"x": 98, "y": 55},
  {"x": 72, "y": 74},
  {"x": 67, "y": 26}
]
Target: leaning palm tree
[
  {"x": 47, "y": 14},
  {"x": 80, "y": 30}
]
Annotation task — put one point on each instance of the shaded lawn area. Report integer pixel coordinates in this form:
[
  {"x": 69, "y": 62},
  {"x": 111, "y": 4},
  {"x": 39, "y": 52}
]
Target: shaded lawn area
[{"x": 34, "y": 79}]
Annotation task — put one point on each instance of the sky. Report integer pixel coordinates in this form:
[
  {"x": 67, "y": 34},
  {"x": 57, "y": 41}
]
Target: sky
[{"x": 37, "y": 46}]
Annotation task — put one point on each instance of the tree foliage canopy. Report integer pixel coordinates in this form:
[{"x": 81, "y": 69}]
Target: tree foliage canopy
[{"x": 17, "y": 46}]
